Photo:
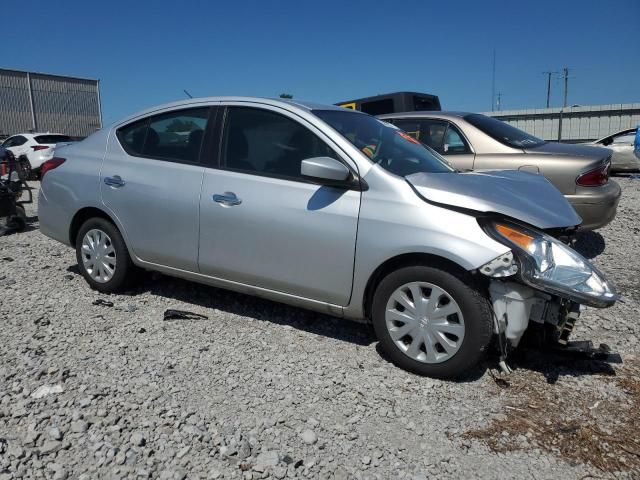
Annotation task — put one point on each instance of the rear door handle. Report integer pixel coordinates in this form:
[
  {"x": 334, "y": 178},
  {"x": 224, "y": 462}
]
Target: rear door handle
[
  {"x": 227, "y": 198},
  {"x": 115, "y": 181}
]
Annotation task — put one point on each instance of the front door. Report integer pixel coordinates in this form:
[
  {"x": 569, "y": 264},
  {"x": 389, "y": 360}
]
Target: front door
[
  {"x": 262, "y": 224},
  {"x": 150, "y": 181}
]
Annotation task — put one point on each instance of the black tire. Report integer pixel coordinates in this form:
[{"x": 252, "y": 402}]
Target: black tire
[
  {"x": 475, "y": 309},
  {"x": 124, "y": 272},
  {"x": 17, "y": 222},
  {"x": 27, "y": 172}
]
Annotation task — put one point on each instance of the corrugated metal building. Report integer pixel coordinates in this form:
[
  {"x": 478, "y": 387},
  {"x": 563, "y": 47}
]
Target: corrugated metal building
[
  {"x": 38, "y": 102},
  {"x": 573, "y": 124}
]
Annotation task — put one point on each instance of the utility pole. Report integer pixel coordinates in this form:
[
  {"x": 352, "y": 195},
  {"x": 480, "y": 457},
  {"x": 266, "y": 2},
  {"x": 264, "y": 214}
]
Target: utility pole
[
  {"x": 565, "y": 75},
  {"x": 493, "y": 82},
  {"x": 498, "y": 101},
  {"x": 549, "y": 74}
]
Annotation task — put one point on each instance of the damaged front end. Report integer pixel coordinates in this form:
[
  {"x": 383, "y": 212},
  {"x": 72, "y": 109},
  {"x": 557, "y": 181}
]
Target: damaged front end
[{"x": 540, "y": 280}]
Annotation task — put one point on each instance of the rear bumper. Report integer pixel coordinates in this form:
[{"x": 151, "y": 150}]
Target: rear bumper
[{"x": 596, "y": 205}]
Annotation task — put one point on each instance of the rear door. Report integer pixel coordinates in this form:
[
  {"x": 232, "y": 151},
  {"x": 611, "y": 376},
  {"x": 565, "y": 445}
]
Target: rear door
[
  {"x": 151, "y": 179},
  {"x": 262, "y": 224}
]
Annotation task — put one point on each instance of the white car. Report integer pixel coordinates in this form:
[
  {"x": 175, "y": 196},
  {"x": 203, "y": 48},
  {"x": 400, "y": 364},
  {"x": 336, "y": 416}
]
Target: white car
[
  {"x": 622, "y": 144},
  {"x": 37, "y": 148}
]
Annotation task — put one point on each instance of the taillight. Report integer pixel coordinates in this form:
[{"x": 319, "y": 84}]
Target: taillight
[
  {"x": 39, "y": 147},
  {"x": 596, "y": 177},
  {"x": 55, "y": 162}
]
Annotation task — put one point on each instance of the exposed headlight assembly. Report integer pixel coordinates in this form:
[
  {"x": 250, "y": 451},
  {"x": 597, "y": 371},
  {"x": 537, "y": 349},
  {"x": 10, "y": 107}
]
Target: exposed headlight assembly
[{"x": 549, "y": 265}]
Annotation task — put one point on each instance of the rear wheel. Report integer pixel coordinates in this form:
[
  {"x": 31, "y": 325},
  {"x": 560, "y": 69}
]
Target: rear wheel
[
  {"x": 432, "y": 322},
  {"x": 25, "y": 166},
  {"x": 17, "y": 222},
  {"x": 103, "y": 257}
]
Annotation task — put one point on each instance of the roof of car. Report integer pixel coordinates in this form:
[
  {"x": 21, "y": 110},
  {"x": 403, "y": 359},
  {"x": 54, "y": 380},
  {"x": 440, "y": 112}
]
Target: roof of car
[
  {"x": 627, "y": 131},
  {"x": 425, "y": 114},
  {"x": 35, "y": 134},
  {"x": 268, "y": 101}
]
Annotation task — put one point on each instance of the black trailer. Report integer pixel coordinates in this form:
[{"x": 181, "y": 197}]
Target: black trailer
[{"x": 394, "y": 102}]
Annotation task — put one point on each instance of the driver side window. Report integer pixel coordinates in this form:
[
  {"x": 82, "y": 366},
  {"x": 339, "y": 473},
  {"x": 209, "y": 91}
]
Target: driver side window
[
  {"x": 454, "y": 142},
  {"x": 429, "y": 132},
  {"x": 266, "y": 143}
]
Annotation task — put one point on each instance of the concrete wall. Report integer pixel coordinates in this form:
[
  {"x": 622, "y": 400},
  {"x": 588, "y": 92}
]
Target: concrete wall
[
  {"x": 579, "y": 124},
  {"x": 37, "y": 102}
]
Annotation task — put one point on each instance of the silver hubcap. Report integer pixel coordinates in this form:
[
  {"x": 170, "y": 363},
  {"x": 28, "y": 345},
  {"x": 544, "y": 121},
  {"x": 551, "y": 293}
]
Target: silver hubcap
[
  {"x": 425, "y": 322},
  {"x": 98, "y": 255}
]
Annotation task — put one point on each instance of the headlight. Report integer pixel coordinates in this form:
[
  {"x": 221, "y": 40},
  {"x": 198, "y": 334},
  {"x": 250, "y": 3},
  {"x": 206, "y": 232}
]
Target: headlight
[{"x": 552, "y": 266}]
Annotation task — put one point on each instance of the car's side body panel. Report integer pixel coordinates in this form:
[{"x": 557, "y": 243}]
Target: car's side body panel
[
  {"x": 395, "y": 224},
  {"x": 282, "y": 232},
  {"x": 72, "y": 186},
  {"x": 158, "y": 207},
  {"x": 279, "y": 230}
]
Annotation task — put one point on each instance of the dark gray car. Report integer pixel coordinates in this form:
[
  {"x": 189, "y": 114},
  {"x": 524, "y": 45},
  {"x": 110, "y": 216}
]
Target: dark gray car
[{"x": 470, "y": 141}]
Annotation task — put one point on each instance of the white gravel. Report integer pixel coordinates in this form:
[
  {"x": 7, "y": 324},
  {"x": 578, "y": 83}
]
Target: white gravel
[{"x": 260, "y": 390}]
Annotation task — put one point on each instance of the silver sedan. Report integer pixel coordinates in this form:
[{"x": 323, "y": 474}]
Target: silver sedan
[
  {"x": 327, "y": 209},
  {"x": 471, "y": 141}
]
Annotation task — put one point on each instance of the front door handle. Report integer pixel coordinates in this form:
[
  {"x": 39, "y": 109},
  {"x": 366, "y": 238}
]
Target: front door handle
[
  {"x": 116, "y": 181},
  {"x": 227, "y": 198}
]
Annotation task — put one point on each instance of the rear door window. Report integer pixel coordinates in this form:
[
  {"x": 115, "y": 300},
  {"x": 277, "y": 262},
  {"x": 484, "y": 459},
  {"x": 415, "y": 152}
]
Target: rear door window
[
  {"x": 174, "y": 136},
  {"x": 52, "y": 139},
  {"x": 15, "y": 141}
]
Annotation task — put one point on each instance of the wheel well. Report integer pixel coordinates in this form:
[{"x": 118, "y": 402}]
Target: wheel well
[
  {"x": 82, "y": 216},
  {"x": 405, "y": 260}
]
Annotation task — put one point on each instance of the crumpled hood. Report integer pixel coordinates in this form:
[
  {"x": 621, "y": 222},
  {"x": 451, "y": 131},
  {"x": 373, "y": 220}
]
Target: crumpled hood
[
  {"x": 555, "y": 148},
  {"x": 524, "y": 196}
]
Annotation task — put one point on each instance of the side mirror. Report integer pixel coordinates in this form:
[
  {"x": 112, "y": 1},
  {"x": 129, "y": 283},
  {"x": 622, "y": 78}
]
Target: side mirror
[{"x": 325, "y": 170}]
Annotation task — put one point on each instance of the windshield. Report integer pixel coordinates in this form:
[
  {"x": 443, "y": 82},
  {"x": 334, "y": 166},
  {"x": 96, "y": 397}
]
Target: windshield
[
  {"x": 503, "y": 132},
  {"x": 384, "y": 144}
]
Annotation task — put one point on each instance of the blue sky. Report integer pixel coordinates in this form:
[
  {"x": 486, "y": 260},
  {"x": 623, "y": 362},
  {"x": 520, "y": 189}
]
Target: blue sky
[{"x": 146, "y": 53}]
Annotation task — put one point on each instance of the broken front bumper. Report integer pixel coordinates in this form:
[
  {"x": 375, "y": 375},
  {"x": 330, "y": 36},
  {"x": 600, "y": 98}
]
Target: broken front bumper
[{"x": 516, "y": 305}]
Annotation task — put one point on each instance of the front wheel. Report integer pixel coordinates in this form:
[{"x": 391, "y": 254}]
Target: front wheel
[
  {"x": 103, "y": 257},
  {"x": 432, "y": 322}
]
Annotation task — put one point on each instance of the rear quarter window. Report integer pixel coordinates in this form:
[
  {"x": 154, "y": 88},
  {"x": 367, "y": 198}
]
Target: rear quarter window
[{"x": 51, "y": 139}]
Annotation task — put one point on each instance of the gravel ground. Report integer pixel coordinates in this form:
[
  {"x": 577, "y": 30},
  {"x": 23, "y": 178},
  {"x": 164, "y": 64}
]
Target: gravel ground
[{"x": 262, "y": 390}]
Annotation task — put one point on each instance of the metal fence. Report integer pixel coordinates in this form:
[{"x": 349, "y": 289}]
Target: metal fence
[
  {"x": 37, "y": 102},
  {"x": 573, "y": 124}
]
